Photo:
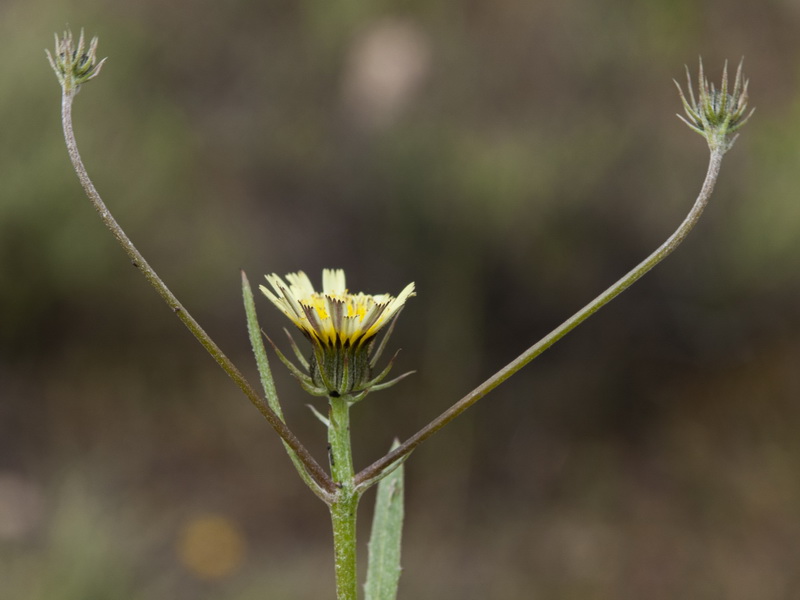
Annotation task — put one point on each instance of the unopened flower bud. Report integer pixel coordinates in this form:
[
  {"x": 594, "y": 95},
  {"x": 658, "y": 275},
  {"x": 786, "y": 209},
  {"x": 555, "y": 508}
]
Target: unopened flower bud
[
  {"x": 74, "y": 65},
  {"x": 716, "y": 114}
]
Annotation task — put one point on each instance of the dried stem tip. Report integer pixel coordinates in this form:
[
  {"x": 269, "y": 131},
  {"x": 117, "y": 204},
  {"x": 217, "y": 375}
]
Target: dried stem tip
[
  {"x": 716, "y": 114},
  {"x": 72, "y": 64}
]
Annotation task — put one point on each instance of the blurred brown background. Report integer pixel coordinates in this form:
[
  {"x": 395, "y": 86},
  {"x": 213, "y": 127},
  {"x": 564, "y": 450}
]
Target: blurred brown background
[{"x": 513, "y": 159}]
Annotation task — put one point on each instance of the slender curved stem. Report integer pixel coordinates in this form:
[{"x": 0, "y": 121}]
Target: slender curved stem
[
  {"x": 523, "y": 359},
  {"x": 138, "y": 261}
]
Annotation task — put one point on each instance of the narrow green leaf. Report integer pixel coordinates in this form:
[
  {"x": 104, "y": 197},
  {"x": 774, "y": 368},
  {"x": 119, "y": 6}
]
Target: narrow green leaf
[
  {"x": 383, "y": 570},
  {"x": 259, "y": 350},
  {"x": 267, "y": 383}
]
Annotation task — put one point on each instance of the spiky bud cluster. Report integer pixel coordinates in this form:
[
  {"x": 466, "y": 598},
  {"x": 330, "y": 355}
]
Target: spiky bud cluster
[
  {"x": 715, "y": 113},
  {"x": 74, "y": 64}
]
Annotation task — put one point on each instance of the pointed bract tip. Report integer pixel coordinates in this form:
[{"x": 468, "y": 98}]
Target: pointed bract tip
[{"x": 716, "y": 113}]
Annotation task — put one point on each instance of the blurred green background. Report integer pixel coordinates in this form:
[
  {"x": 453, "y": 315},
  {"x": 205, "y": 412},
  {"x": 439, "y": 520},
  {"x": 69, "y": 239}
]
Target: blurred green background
[{"x": 513, "y": 159}]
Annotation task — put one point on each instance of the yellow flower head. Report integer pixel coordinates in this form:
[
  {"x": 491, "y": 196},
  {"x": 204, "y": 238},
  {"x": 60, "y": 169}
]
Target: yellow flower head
[
  {"x": 333, "y": 317},
  {"x": 341, "y": 327}
]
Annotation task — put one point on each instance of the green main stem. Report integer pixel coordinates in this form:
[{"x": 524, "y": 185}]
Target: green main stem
[
  {"x": 345, "y": 504},
  {"x": 138, "y": 261},
  {"x": 523, "y": 359}
]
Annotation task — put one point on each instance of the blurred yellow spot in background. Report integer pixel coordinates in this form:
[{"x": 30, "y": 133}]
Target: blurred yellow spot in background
[{"x": 211, "y": 546}]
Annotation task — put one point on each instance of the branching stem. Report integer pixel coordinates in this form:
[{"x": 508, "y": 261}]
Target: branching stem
[
  {"x": 523, "y": 359},
  {"x": 138, "y": 261}
]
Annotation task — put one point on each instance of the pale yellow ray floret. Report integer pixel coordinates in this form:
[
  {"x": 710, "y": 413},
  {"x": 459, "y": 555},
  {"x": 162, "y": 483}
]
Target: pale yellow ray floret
[{"x": 333, "y": 316}]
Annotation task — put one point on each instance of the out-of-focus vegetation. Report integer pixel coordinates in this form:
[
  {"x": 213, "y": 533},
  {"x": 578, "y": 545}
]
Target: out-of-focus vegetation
[{"x": 513, "y": 158}]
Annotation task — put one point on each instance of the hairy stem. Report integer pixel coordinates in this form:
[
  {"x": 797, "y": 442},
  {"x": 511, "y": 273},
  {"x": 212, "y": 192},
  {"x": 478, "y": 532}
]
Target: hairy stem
[
  {"x": 523, "y": 359},
  {"x": 138, "y": 261},
  {"x": 345, "y": 504}
]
